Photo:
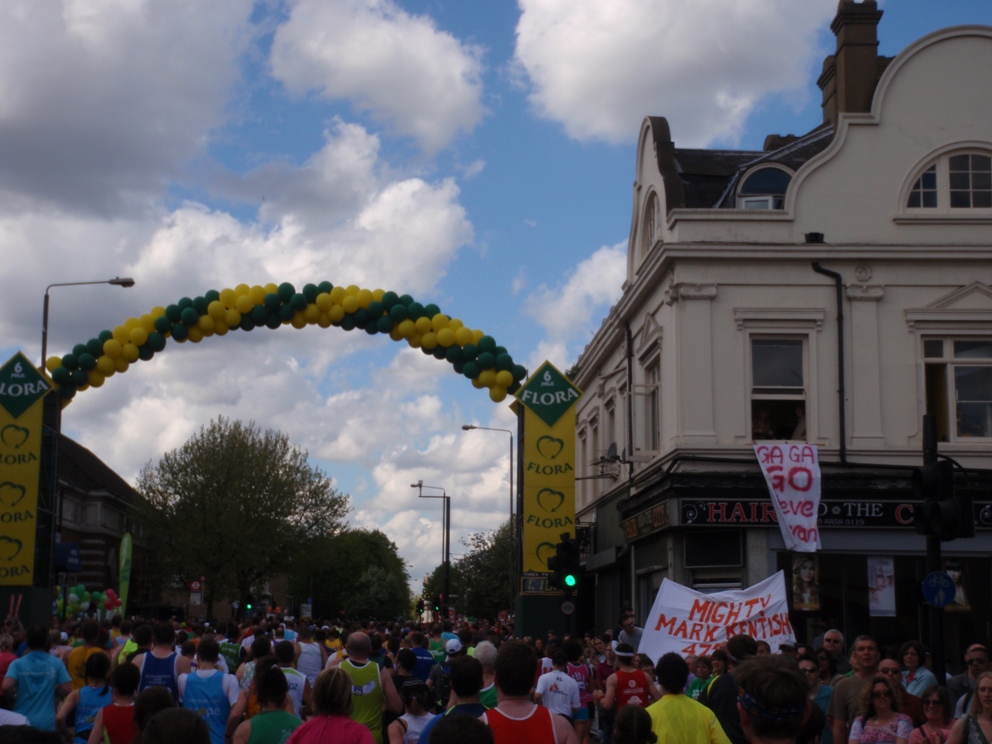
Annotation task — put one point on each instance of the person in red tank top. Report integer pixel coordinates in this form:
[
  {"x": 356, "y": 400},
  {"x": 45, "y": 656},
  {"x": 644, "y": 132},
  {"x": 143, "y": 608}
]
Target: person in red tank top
[
  {"x": 117, "y": 719},
  {"x": 516, "y": 720},
  {"x": 627, "y": 685}
]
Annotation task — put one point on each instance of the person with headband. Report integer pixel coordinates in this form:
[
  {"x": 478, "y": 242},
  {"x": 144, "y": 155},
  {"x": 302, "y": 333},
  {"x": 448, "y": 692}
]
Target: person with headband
[
  {"x": 628, "y": 684},
  {"x": 773, "y": 700}
]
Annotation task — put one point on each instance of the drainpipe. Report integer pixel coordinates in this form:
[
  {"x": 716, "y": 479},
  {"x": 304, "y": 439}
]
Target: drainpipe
[
  {"x": 841, "y": 391},
  {"x": 630, "y": 405}
]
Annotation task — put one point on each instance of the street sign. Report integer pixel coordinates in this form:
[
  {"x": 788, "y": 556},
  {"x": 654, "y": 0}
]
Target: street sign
[
  {"x": 195, "y": 586},
  {"x": 451, "y": 613},
  {"x": 306, "y": 610},
  {"x": 938, "y": 589},
  {"x": 196, "y": 598},
  {"x": 567, "y": 607}
]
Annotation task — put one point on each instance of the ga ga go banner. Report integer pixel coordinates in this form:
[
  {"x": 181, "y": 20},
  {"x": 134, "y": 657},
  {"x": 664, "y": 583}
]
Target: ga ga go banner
[{"x": 689, "y": 622}]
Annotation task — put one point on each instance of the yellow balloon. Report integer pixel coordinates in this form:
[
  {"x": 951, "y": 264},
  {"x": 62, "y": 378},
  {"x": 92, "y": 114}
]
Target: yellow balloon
[
  {"x": 497, "y": 394},
  {"x": 81, "y": 388},
  {"x": 423, "y": 325},
  {"x": 105, "y": 366},
  {"x": 407, "y": 328},
  {"x": 120, "y": 364},
  {"x": 439, "y": 321},
  {"x": 122, "y": 334},
  {"x": 299, "y": 320},
  {"x": 312, "y": 314},
  {"x": 132, "y": 323},
  {"x": 454, "y": 324},
  {"x": 477, "y": 335},
  {"x": 216, "y": 310},
  {"x": 364, "y": 298},
  {"x": 228, "y": 297},
  {"x": 271, "y": 288},
  {"x": 487, "y": 377},
  {"x": 242, "y": 290},
  {"x": 336, "y": 313},
  {"x": 139, "y": 336},
  {"x": 53, "y": 363},
  {"x": 414, "y": 341},
  {"x": 257, "y": 295},
  {"x": 206, "y": 324},
  {"x": 446, "y": 337},
  {"x": 463, "y": 336},
  {"x": 112, "y": 348},
  {"x": 350, "y": 304},
  {"x": 352, "y": 290},
  {"x": 221, "y": 328},
  {"x": 147, "y": 322},
  {"x": 477, "y": 383},
  {"x": 243, "y": 304},
  {"x": 324, "y": 321},
  {"x": 324, "y": 302},
  {"x": 130, "y": 352},
  {"x": 378, "y": 294},
  {"x": 157, "y": 312},
  {"x": 504, "y": 379},
  {"x": 429, "y": 340},
  {"x": 195, "y": 335},
  {"x": 338, "y": 294},
  {"x": 395, "y": 334},
  {"x": 232, "y": 317}
]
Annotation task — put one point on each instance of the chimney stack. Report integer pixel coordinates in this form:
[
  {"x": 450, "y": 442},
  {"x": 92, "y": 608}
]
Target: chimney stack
[{"x": 850, "y": 75}]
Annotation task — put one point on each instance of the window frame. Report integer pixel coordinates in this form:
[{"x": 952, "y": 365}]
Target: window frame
[
  {"x": 647, "y": 410},
  {"x": 950, "y": 399},
  {"x": 807, "y": 387},
  {"x": 773, "y": 202},
  {"x": 943, "y": 211}
]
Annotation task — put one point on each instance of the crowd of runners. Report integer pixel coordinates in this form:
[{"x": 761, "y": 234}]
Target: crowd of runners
[{"x": 273, "y": 680}]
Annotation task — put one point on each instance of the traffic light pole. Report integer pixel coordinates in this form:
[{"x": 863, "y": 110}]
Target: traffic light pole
[{"x": 936, "y": 614}]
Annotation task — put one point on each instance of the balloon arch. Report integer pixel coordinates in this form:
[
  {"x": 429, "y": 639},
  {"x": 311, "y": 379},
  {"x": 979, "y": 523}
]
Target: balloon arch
[{"x": 469, "y": 351}]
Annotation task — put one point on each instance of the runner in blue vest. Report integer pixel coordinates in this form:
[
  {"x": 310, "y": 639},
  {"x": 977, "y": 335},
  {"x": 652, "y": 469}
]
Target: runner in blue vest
[
  {"x": 162, "y": 666},
  {"x": 88, "y": 700},
  {"x": 209, "y": 691}
]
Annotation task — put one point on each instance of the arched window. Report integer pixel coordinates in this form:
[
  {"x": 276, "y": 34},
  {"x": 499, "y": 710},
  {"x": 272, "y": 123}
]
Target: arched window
[
  {"x": 652, "y": 220},
  {"x": 954, "y": 181},
  {"x": 764, "y": 188}
]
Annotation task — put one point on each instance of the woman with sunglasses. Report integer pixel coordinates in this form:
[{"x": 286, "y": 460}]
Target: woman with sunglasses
[
  {"x": 937, "y": 709},
  {"x": 881, "y": 721},
  {"x": 976, "y": 726},
  {"x": 819, "y": 693}
]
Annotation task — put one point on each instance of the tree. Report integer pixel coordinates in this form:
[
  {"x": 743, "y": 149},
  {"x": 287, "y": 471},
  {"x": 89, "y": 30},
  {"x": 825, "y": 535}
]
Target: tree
[
  {"x": 488, "y": 582},
  {"x": 237, "y": 505}
]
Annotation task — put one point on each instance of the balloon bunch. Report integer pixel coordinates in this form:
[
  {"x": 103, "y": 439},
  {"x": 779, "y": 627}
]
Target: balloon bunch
[
  {"x": 470, "y": 352},
  {"x": 79, "y": 600}
]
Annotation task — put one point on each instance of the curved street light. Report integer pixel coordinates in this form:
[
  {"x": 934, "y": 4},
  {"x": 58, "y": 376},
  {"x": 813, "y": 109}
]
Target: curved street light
[{"x": 117, "y": 281}]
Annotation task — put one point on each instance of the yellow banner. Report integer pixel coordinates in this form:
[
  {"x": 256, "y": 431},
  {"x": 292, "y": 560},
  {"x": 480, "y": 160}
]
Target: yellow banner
[
  {"x": 22, "y": 392},
  {"x": 548, "y": 464}
]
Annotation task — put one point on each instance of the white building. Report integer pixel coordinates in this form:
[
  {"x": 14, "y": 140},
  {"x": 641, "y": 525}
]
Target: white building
[{"x": 727, "y": 334}]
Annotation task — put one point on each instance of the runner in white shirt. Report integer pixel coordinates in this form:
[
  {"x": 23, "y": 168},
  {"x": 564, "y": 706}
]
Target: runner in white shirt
[
  {"x": 556, "y": 691},
  {"x": 311, "y": 658}
]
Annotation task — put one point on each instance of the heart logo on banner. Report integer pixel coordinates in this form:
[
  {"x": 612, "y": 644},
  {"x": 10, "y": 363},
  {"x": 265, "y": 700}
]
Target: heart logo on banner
[
  {"x": 11, "y": 493},
  {"x": 544, "y": 551},
  {"x": 9, "y": 548},
  {"x": 550, "y": 447},
  {"x": 550, "y": 495},
  {"x": 14, "y": 436}
]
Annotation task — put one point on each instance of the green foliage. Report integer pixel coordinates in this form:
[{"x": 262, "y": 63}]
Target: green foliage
[{"x": 235, "y": 504}]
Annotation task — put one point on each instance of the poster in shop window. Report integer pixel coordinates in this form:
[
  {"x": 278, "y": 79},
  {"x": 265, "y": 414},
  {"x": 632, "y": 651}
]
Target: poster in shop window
[
  {"x": 881, "y": 587},
  {"x": 955, "y": 568},
  {"x": 805, "y": 583}
]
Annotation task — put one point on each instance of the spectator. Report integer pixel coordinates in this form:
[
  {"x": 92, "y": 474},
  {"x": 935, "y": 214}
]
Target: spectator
[
  {"x": 937, "y": 709},
  {"x": 880, "y": 720},
  {"x": 37, "y": 678},
  {"x": 916, "y": 678},
  {"x": 677, "y": 718},
  {"x": 773, "y": 700}
]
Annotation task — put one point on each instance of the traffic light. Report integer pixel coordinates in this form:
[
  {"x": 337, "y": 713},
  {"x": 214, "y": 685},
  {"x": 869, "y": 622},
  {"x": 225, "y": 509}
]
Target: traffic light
[
  {"x": 249, "y": 601},
  {"x": 437, "y": 603},
  {"x": 564, "y": 564},
  {"x": 943, "y": 513},
  {"x": 420, "y": 606}
]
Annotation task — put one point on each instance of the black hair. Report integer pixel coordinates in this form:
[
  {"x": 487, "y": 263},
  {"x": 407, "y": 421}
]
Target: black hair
[
  {"x": 125, "y": 679},
  {"x": 271, "y": 684},
  {"x": 516, "y": 663},
  {"x": 284, "y": 652},
  {"x": 633, "y": 726},
  {"x": 466, "y": 676},
  {"x": 672, "y": 672},
  {"x": 458, "y": 728}
]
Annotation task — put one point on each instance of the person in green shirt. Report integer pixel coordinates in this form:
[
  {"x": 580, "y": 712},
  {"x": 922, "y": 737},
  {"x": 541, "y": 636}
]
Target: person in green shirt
[
  {"x": 273, "y": 724},
  {"x": 703, "y": 670}
]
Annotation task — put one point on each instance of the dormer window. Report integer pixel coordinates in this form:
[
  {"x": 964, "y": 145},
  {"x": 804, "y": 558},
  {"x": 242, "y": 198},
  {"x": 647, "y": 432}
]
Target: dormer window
[
  {"x": 961, "y": 180},
  {"x": 764, "y": 188}
]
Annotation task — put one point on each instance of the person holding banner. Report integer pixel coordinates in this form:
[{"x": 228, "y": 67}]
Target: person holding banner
[{"x": 676, "y": 718}]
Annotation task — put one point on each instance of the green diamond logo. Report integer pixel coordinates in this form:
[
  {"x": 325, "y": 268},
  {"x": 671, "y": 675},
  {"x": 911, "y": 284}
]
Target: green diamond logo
[
  {"x": 548, "y": 393},
  {"x": 21, "y": 385}
]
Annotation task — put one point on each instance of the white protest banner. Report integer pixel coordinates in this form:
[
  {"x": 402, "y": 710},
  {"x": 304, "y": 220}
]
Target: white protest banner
[
  {"x": 792, "y": 472},
  {"x": 689, "y": 622}
]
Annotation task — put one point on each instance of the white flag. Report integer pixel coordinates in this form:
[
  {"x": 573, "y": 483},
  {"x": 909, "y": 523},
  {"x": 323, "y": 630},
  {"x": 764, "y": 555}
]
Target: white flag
[{"x": 792, "y": 472}]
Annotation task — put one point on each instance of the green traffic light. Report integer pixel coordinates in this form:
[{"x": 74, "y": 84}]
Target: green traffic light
[{"x": 570, "y": 580}]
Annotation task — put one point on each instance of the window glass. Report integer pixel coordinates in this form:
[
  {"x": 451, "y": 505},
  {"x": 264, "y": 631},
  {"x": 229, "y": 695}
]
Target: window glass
[
  {"x": 970, "y": 180},
  {"x": 777, "y": 363},
  {"x": 973, "y": 386},
  {"x": 766, "y": 181},
  {"x": 924, "y": 192},
  {"x": 973, "y": 349},
  {"x": 933, "y": 348}
]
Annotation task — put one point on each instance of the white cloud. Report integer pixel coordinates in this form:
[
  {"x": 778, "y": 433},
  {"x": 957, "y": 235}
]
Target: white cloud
[
  {"x": 568, "y": 312},
  {"x": 600, "y": 68},
  {"x": 401, "y": 68},
  {"x": 101, "y": 103}
]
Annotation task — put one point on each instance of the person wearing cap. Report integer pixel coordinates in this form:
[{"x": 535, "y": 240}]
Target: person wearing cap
[
  {"x": 440, "y": 678},
  {"x": 676, "y": 718}
]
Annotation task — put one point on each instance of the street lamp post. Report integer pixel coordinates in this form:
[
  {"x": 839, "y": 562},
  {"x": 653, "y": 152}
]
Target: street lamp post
[
  {"x": 446, "y": 540},
  {"x": 116, "y": 281},
  {"x": 470, "y": 427}
]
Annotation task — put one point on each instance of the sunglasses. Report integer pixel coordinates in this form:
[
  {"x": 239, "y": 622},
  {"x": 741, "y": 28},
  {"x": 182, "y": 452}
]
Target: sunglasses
[
  {"x": 977, "y": 661},
  {"x": 881, "y": 694},
  {"x": 809, "y": 670},
  {"x": 931, "y": 703}
]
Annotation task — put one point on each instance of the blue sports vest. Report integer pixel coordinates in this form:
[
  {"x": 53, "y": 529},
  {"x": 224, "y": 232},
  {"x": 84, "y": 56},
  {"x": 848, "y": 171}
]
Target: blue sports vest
[
  {"x": 206, "y": 697},
  {"x": 156, "y": 672},
  {"x": 91, "y": 701}
]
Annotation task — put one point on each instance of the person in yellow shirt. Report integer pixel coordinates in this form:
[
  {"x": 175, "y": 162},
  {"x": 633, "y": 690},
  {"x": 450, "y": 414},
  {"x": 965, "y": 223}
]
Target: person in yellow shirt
[
  {"x": 677, "y": 718},
  {"x": 75, "y": 662}
]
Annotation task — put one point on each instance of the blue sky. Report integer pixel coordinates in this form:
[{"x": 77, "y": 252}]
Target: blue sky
[{"x": 475, "y": 155}]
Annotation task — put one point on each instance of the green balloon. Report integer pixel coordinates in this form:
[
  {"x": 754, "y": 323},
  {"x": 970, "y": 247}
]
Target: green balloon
[
  {"x": 471, "y": 369},
  {"x": 310, "y": 291},
  {"x": 487, "y": 360},
  {"x": 513, "y": 388},
  {"x": 247, "y": 323},
  {"x": 105, "y": 336},
  {"x": 416, "y": 310},
  {"x": 371, "y": 328},
  {"x": 273, "y": 321},
  {"x": 487, "y": 343},
  {"x": 211, "y": 295},
  {"x": 80, "y": 349},
  {"x": 299, "y": 302},
  {"x": 70, "y": 362},
  {"x": 389, "y": 299},
  {"x": 286, "y": 291},
  {"x": 61, "y": 376},
  {"x": 519, "y": 372},
  {"x": 499, "y": 350},
  {"x": 184, "y": 302},
  {"x": 156, "y": 341},
  {"x": 87, "y": 361},
  {"x": 95, "y": 346},
  {"x": 428, "y": 352},
  {"x": 163, "y": 324},
  {"x": 406, "y": 300},
  {"x": 173, "y": 313},
  {"x": 453, "y": 354},
  {"x": 438, "y": 352},
  {"x": 504, "y": 362},
  {"x": 325, "y": 287},
  {"x": 286, "y": 313},
  {"x": 361, "y": 316},
  {"x": 376, "y": 309},
  {"x": 180, "y": 332},
  {"x": 272, "y": 302},
  {"x": 145, "y": 353},
  {"x": 259, "y": 315},
  {"x": 459, "y": 367},
  {"x": 470, "y": 351},
  {"x": 348, "y": 322},
  {"x": 67, "y": 392},
  {"x": 398, "y": 312},
  {"x": 200, "y": 304},
  {"x": 384, "y": 324},
  {"x": 190, "y": 317},
  {"x": 79, "y": 377},
  {"x": 431, "y": 310}
]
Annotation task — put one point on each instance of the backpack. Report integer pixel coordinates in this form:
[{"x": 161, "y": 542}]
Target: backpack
[{"x": 442, "y": 690}]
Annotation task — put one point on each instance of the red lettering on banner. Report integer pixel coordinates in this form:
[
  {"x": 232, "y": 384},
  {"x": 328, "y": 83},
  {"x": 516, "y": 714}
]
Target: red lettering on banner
[
  {"x": 680, "y": 631},
  {"x": 711, "y": 633},
  {"x": 803, "y": 483},
  {"x": 703, "y": 607},
  {"x": 665, "y": 623},
  {"x": 694, "y": 631}
]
